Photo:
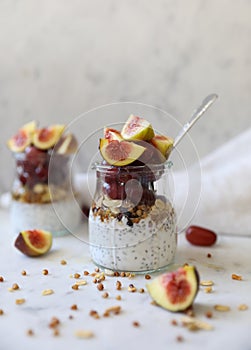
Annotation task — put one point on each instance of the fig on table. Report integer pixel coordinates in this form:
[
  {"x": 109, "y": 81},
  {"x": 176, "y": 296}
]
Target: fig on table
[
  {"x": 34, "y": 242},
  {"x": 176, "y": 290}
]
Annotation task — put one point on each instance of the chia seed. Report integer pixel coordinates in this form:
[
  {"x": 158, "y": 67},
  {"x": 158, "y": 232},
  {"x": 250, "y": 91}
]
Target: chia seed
[{"x": 129, "y": 223}]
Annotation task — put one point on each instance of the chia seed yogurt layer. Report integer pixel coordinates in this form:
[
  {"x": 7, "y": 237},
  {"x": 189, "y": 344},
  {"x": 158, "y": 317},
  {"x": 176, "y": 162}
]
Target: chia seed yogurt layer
[
  {"x": 59, "y": 217},
  {"x": 149, "y": 244}
]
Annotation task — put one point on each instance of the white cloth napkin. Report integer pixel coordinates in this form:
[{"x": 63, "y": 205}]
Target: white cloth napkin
[
  {"x": 224, "y": 189},
  {"x": 225, "y": 204}
]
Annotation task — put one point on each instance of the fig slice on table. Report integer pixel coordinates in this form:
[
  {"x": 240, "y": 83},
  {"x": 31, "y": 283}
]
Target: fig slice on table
[
  {"x": 34, "y": 242},
  {"x": 112, "y": 134},
  {"x": 163, "y": 143},
  {"x": 23, "y": 138},
  {"x": 46, "y": 138},
  {"x": 120, "y": 153},
  {"x": 175, "y": 290},
  {"x": 137, "y": 128}
]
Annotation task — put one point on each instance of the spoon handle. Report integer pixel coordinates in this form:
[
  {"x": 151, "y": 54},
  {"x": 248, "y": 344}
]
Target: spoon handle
[{"x": 206, "y": 103}]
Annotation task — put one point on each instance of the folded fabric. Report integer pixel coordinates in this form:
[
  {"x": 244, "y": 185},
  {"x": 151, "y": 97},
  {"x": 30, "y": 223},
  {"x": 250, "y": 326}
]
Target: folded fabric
[{"x": 225, "y": 203}]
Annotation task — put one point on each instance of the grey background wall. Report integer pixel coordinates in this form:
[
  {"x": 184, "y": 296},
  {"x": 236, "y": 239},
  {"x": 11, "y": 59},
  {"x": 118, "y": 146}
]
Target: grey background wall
[{"x": 62, "y": 58}]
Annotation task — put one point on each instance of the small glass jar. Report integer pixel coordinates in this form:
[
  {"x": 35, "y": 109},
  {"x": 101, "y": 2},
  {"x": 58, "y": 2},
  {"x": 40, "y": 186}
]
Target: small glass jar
[
  {"x": 132, "y": 223},
  {"x": 42, "y": 195}
]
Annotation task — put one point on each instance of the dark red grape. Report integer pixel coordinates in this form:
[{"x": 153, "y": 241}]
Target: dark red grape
[
  {"x": 121, "y": 191},
  {"x": 110, "y": 189},
  {"x": 42, "y": 173},
  {"x": 148, "y": 197},
  {"x": 35, "y": 156},
  {"x": 111, "y": 174}
]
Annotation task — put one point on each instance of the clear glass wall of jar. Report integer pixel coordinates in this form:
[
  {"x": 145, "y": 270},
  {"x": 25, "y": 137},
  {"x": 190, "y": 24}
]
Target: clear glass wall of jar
[
  {"x": 132, "y": 223},
  {"x": 41, "y": 192}
]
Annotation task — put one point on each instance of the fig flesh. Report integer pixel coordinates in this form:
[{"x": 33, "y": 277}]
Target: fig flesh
[
  {"x": 46, "y": 138},
  {"x": 34, "y": 242},
  {"x": 112, "y": 134},
  {"x": 175, "y": 290},
  {"x": 23, "y": 138},
  {"x": 163, "y": 143},
  {"x": 120, "y": 153},
  {"x": 137, "y": 128}
]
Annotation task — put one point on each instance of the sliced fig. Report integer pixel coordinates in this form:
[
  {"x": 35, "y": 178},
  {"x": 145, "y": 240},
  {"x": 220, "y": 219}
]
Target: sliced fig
[
  {"x": 137, "y": 128},
  {"x": 30, "y": 127},
  {"x": 176, "y": 290},
  {"x": 34, "y": 242},
  {"x": 23, "y": 138},
  {"x": 163, "y": 143},
  {"x": 112, "y": 134},
  {"x": 67, "y": 144},
  {"x": 120, "y": 153},
  {"x": 151, "y": 155},
  {"x": 46, "y": 138}
]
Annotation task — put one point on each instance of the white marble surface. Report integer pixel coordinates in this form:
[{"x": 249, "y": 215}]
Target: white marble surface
[
  {"x": 59, "y": 59},
  {"x": 231, "y": 329}
]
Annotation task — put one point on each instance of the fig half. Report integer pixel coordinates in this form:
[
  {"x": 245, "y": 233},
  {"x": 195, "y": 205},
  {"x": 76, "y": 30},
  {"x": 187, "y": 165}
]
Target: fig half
[
  {"x": 46, "y": 138},
  {"x": 176, "y": 290},
  {"x": 23, "y": 138},
  {"x": 34, "y": 242},
  {"x": 151, "y": 155},
  {"x": 120, "y": 153},
  {"x": 112, "y": 134},
  {"x": 137, "y": 128},
  {"x": 163, "y": 143}
]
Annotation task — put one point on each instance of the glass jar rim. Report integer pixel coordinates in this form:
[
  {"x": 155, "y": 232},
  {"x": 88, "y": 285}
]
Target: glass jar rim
[{"x": 99, "y": 166}]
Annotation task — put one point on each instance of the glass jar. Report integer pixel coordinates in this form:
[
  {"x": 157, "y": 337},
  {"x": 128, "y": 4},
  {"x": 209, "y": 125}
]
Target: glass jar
[
  {"x": 132, "y": 223},
  {"x": 42, "y": 195}
]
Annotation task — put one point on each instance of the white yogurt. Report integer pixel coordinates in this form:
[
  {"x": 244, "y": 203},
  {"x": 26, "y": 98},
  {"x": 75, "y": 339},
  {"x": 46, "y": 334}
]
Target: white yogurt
[
  {"x": 147, "y": 245},
  {"x": 59, "y": 218}
]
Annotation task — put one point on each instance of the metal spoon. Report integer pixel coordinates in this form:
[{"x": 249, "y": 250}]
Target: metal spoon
[{"x": 206, "y": 103}]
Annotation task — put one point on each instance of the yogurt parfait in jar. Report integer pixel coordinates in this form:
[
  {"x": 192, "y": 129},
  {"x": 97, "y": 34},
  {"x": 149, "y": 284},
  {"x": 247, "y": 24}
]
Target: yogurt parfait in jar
[
  {"x": 132, "y": 223},
  {"x": 41, "y": 192}
]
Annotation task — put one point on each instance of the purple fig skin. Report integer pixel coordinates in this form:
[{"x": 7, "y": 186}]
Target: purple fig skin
[
  {"x": 197, "y": 280},
  {"x": 24, "y": 248},
  {"x": 151, "y": 155}
]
